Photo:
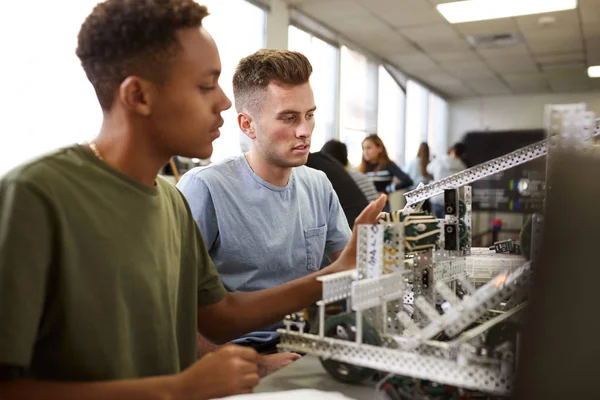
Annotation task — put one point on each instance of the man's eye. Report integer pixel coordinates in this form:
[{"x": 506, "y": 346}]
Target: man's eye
[
  {"x": 289, "y": 119},
  {"x": 207, "y": 88},
  {"x": 311, "y": 115}
]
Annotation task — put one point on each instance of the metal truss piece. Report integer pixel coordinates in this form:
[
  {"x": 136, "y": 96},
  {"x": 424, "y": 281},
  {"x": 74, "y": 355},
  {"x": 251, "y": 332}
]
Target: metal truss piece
[
  {"x": 447, "y": 293},
  {"x": 483, "y": 265},
  {"x": 369, "y": 293},
  {"x": 337, "y": 286},
  {"x": 485, "y": 298},
  {"x": 468, "y": 199},
  {"x": 449, "y": 270},
  {"x": 393, "y": 249},
  {"x": 488, "y": 378},
  {"x": 466, "y": 285},
  {"x": 362, "y": 251},
  {"x": 427, "y": 309},
  {"x": 480, "y": 171},
  {"x": 375, "y": 251},
  {"x": 423, "y": 275},
  {"x": 408, "y": 323}
]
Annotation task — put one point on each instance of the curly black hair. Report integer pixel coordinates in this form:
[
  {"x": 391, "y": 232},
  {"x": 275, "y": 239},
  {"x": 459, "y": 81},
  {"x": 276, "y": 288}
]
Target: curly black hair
[{"x": 132, "y": 37}]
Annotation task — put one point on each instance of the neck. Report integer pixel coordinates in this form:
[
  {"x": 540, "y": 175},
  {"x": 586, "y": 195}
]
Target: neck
[
  {"x": 128, "y": 152},
  {"x": 275, "y": 175}
]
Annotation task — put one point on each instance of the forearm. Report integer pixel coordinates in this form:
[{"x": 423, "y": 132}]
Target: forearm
[
  {"x": 245, "y": 312},
  {"x": 205, "y": 346},
  {"x": 156, "y": 388},
  {"x": 334, "y": 256}
]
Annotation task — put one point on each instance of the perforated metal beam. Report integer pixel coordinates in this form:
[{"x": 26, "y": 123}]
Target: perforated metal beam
[
  {"x": 480, "y": 171},
  {"x": 483, "y": 378},
  {"x": 368, "y": 293}
]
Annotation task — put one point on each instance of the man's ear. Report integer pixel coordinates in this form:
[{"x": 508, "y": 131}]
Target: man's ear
[
  {"x": 137, "y": 95},
  {"x": 246, "y": 125}
]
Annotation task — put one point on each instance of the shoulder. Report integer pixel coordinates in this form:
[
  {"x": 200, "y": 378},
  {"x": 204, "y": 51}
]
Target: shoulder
[
  {"x": 46, "y": 172},
  {"x": 311, "y": 176},
  {"x": 216, "y": 172},
  {"x": 392, "y": 164}
]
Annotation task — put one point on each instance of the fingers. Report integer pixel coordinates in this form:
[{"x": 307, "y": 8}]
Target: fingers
[
  {"x": 371, "y": 213},
  {"x": 245, "y": 353},
  {"x": 249, "y": 381}
]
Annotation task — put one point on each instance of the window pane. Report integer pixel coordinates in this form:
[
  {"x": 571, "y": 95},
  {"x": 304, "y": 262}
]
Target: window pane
[
  {"x": 358, "y": 101},
  {"x": 46, "y": 97},
  {"x": 438, "y": 125},
  {"x": 56, "y": 105},
  {"x": 390, "y": 121},
  {"x": 417, "y": 119},
  {"x": 324, "y": 81},
  {"x": 232, "y": 48}
]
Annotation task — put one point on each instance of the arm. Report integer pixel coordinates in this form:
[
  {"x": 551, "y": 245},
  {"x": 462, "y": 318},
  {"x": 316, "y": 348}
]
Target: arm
[
  {"x": 333, "y": 257},
  {"x": 201, "y": 205},
  {"x": 228, "y": 371},
  {"x": 405, "y": 180},
  {"x": 157, "y": 388},
  {"x": 238, "y": 313}
]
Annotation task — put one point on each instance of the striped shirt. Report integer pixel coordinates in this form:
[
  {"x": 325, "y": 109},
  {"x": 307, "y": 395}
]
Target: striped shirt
[{"x": 365, "y": 185}]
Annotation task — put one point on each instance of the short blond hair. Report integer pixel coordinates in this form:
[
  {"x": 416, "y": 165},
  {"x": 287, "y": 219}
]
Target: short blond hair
[{"x": 254, "y": 73}]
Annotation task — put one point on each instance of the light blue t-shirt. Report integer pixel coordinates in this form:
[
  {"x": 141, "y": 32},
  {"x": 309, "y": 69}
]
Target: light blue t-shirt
[{"x": 260, "y": 235}]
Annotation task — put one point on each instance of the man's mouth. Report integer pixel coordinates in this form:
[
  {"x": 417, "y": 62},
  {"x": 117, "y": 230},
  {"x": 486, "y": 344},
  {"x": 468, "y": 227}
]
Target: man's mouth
[{"x": 302, "y": 147}]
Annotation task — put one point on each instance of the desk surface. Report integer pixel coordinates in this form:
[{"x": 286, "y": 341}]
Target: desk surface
[{"x": 309, "y": 373}]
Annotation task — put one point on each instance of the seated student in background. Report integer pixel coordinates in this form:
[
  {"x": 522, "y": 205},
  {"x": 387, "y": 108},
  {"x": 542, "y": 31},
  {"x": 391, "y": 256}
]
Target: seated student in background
[
  {"x": 339, "y": 152},
  {"x": 352, "y": 199},
  {"x": 104, "y": 276},
  {"x": 443, "y": 167},
  {"x": 384, "y": 173},
  {"x": 265, "y": 217}
]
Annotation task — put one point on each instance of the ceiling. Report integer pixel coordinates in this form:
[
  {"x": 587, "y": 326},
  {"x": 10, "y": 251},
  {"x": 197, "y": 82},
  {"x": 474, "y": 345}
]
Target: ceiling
[{"x": 413, "y": 36}]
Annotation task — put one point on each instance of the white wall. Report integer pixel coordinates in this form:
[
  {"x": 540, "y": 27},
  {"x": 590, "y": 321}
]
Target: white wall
[{"x": 509, "y": 112}]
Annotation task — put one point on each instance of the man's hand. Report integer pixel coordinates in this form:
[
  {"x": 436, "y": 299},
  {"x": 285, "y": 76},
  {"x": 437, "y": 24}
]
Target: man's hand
[
  {"x": 228, "y": 371},
  {"x": 272, "y": 362},
  {"x": 370, "y": 215}
]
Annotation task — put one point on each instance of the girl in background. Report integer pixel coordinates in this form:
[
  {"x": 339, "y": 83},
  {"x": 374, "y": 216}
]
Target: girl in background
[
  {"x": 443, "y": 167},
  {"x": 417, "y": 167},
  {"x": 376, "y": 164}
]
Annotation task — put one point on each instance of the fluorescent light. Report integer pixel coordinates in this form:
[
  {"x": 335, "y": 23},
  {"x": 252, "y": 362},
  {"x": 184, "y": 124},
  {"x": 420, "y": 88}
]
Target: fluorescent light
[
  {"x": 481, "y": 10},
  {"x": 594, "y": 71}
]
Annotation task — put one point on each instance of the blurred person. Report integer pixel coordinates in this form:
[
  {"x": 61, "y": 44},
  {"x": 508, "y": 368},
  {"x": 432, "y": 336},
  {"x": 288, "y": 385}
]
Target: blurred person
[
  {"x": 352, "y": 199},
  {"x": 417, "y": 170},
  {"x": 417, "y": 167},
  {"x": 443, "y": 167},
  {"x": 104, "y": 276},
  {"x": 382, "y": 171},
  {"x": 339, "y": 152}
]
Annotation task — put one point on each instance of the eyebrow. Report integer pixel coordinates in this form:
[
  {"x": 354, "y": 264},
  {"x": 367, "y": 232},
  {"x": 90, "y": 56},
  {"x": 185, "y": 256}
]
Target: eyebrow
[{"x": 289, "y": 111}]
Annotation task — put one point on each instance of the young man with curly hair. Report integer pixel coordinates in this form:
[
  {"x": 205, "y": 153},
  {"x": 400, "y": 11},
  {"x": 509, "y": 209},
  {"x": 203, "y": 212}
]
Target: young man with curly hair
[{"x": 104, "y": 276}]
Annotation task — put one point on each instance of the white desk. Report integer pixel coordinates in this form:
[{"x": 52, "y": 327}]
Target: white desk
[{"x": 309, "y": 373}]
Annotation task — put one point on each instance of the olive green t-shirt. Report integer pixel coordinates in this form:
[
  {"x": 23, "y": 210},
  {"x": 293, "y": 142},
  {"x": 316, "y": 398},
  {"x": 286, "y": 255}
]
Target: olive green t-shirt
[{"x": 100, "y": 275}]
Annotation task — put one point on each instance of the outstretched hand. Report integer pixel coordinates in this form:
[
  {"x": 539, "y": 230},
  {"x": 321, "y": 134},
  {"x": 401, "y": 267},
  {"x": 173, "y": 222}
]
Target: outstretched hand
[{"x": 370, "y": 215}]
